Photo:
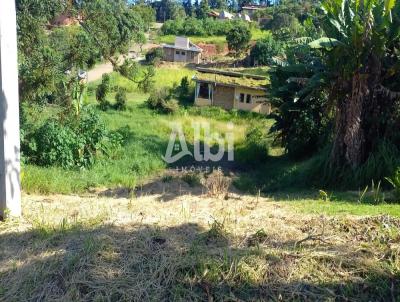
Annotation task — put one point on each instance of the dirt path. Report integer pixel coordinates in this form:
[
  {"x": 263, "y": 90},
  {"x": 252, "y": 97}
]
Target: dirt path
[{"x": 134, "y": 53}]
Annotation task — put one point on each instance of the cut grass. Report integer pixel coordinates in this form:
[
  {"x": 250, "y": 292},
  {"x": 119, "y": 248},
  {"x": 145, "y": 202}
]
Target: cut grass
[{"x": 193, "y": 248}]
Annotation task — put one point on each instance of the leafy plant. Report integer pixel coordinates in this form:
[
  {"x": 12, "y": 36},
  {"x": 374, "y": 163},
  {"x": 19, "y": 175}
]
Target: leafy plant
[
  {"x": 254, "y": 149},
  {"x": 70, "y": 142},
  {"x": 238, "y": 38},
  {"x": 161, "y": 101},
  {"x": 265, "y": 50},
  {"x": 120, "y": 99},
  {"x": 154, "y": 56},
  {"x": 102, "y": 91},
  {"x": 395, "y": 182}
]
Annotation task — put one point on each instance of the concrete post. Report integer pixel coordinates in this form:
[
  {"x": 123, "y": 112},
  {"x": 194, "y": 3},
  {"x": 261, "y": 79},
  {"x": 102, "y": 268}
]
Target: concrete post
[{"x": 10, "y": 188}]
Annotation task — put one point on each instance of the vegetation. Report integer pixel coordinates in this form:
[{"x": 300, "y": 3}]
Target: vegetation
[
  {"x": 120, "y": 99},
  {"x": 161, "y": 100},
  {"x": 238, "y": 39},
  {"x": 154, "y": 56},
  {"x": 176, "y": 231},
  {"x": 214, "y": 252},
  {"x": 69, "y": 142},
  {"x": 102, "y": 91},
  {"x": 197, "y": 27},
  {"x": 265, "y": 50}
]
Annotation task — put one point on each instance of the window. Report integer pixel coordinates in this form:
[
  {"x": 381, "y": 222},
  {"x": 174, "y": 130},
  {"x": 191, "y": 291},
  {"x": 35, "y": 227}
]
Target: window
[
  {"x": 242, "y": 98},
  {"x": 177, "y": 52},
  {"x": 248, "y": 99},
  {"x": 204, "y": 91},
  {"x": 183, "y": 53}
]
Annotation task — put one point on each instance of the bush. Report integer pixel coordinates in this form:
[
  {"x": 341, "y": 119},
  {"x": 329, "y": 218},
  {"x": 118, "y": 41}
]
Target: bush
[
  {"x": 282, "y": 20},
  {"x": 238, "y": 38},
  {"x": 102, "y": 91},
  {"x": 254, "y": 150},
  {"x": 71, "y": 142},
  {"x": 161, "y": 101},
  {"x": 154, "y": 56},
  {"x": 263, "y": 52},
  {"x": 120, "y": 99},
  {"x": 184, "y": 87}
]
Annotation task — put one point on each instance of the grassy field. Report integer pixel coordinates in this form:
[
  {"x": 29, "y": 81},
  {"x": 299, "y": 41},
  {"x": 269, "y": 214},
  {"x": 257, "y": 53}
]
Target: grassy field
[
  {"x": 139, "y": 232},
  {"x": 147, "y": 134},
  {"x": 256, "y": 34}
]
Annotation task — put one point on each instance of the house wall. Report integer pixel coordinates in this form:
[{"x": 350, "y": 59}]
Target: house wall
[
  {"x": 168, "y": 54},
  {"x": 184, "y": 56},
  {"x": 255, "y": 105},
  {"x": 229, "y": 98},
  {"x": 224, "y": 97}
]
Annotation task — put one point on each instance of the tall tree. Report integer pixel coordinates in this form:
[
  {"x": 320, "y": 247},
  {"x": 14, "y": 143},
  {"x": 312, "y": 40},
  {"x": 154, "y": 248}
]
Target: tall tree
[
  {"x": 204, "y": 9},
  {"x": 188, "y": 6},
  {"x": 238, "y": 38}
]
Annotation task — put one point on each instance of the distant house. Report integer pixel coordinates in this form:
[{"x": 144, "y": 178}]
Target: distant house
[
  {"x": 64, "y": 20},
  {"x": 231, "y": 90},
  {"x": 182, "y": 51},
  {"x": 213, "y": 14},
  {"x": 244, "y": 17},
  {"x": 251, "y": 9},
  {"x": 224, "y": 15}
]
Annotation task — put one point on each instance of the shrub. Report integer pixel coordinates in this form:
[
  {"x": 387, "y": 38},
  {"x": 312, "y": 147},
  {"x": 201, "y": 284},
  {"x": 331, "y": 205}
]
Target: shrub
[
  {"x": 238, "y": 38},
  {"x": 71, "y": 142},
  {"x": 254, "y": 149},
  {"x": 120, "y": 99},
  {"x": 283, "y": 20},
  {"x": 102, "y": 91},
  {"x": 184, "y": 87},
  {"x": 395, "y": 182},
  {"x": 161, "y": 101},
  {"x": 154, "y": 56},
  {"x": 265, "y": 50},
  {"x": 55, "y": 145}
]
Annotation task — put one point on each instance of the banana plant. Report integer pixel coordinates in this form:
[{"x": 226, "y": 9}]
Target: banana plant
[{"x": 360, "y": 54}]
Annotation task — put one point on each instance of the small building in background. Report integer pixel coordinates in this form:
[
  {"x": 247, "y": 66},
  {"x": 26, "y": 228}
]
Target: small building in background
[
  {"x": 224, "y": 15},
  {"x": 231, "y": 90},
  {"x": 244, "y": 17},
  {"x": 64, "y": 20},
  {"x": 251, "y": 9},
  {"x": 182, "y": 51}
]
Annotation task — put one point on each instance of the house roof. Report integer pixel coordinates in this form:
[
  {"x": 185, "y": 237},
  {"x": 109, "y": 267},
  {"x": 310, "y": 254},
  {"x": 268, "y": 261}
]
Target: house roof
[
  {"x": 230, "y": 78},
  {"x": 183, "y": 43},
  {"x": 254, "y": 7},
  {"x": 191, "y": 48}
]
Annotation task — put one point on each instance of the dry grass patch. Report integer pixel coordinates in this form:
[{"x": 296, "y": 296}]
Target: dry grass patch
[{"x": 194, "y": 248}]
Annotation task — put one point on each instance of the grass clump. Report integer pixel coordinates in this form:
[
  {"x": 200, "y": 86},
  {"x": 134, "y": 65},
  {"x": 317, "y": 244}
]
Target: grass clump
[
  {"x": 161, "y": 101},
  {"x": 192, "y": 179}
]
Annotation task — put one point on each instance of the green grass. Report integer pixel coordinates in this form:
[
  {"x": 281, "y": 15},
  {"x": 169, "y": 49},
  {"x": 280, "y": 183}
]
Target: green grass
[
  {"x": 341, "y": 208},
  {"x": 170, "y": 39},
  {"x": 256, "y": 34},
  {"x": 147, "y": 135}
]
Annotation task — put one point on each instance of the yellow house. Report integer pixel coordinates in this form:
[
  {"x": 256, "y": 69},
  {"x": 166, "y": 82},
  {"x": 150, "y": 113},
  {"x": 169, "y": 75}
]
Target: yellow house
[{"x": 231, "y": 90}]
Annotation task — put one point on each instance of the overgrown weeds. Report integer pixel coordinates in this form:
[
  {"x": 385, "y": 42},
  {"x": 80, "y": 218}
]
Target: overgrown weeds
[{"x": 217, "y": 184}]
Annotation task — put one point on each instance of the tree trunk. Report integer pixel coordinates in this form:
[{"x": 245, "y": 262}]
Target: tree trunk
[
  {"x": 357, "y": 121},
  {"x": 349, "y": 141}
]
